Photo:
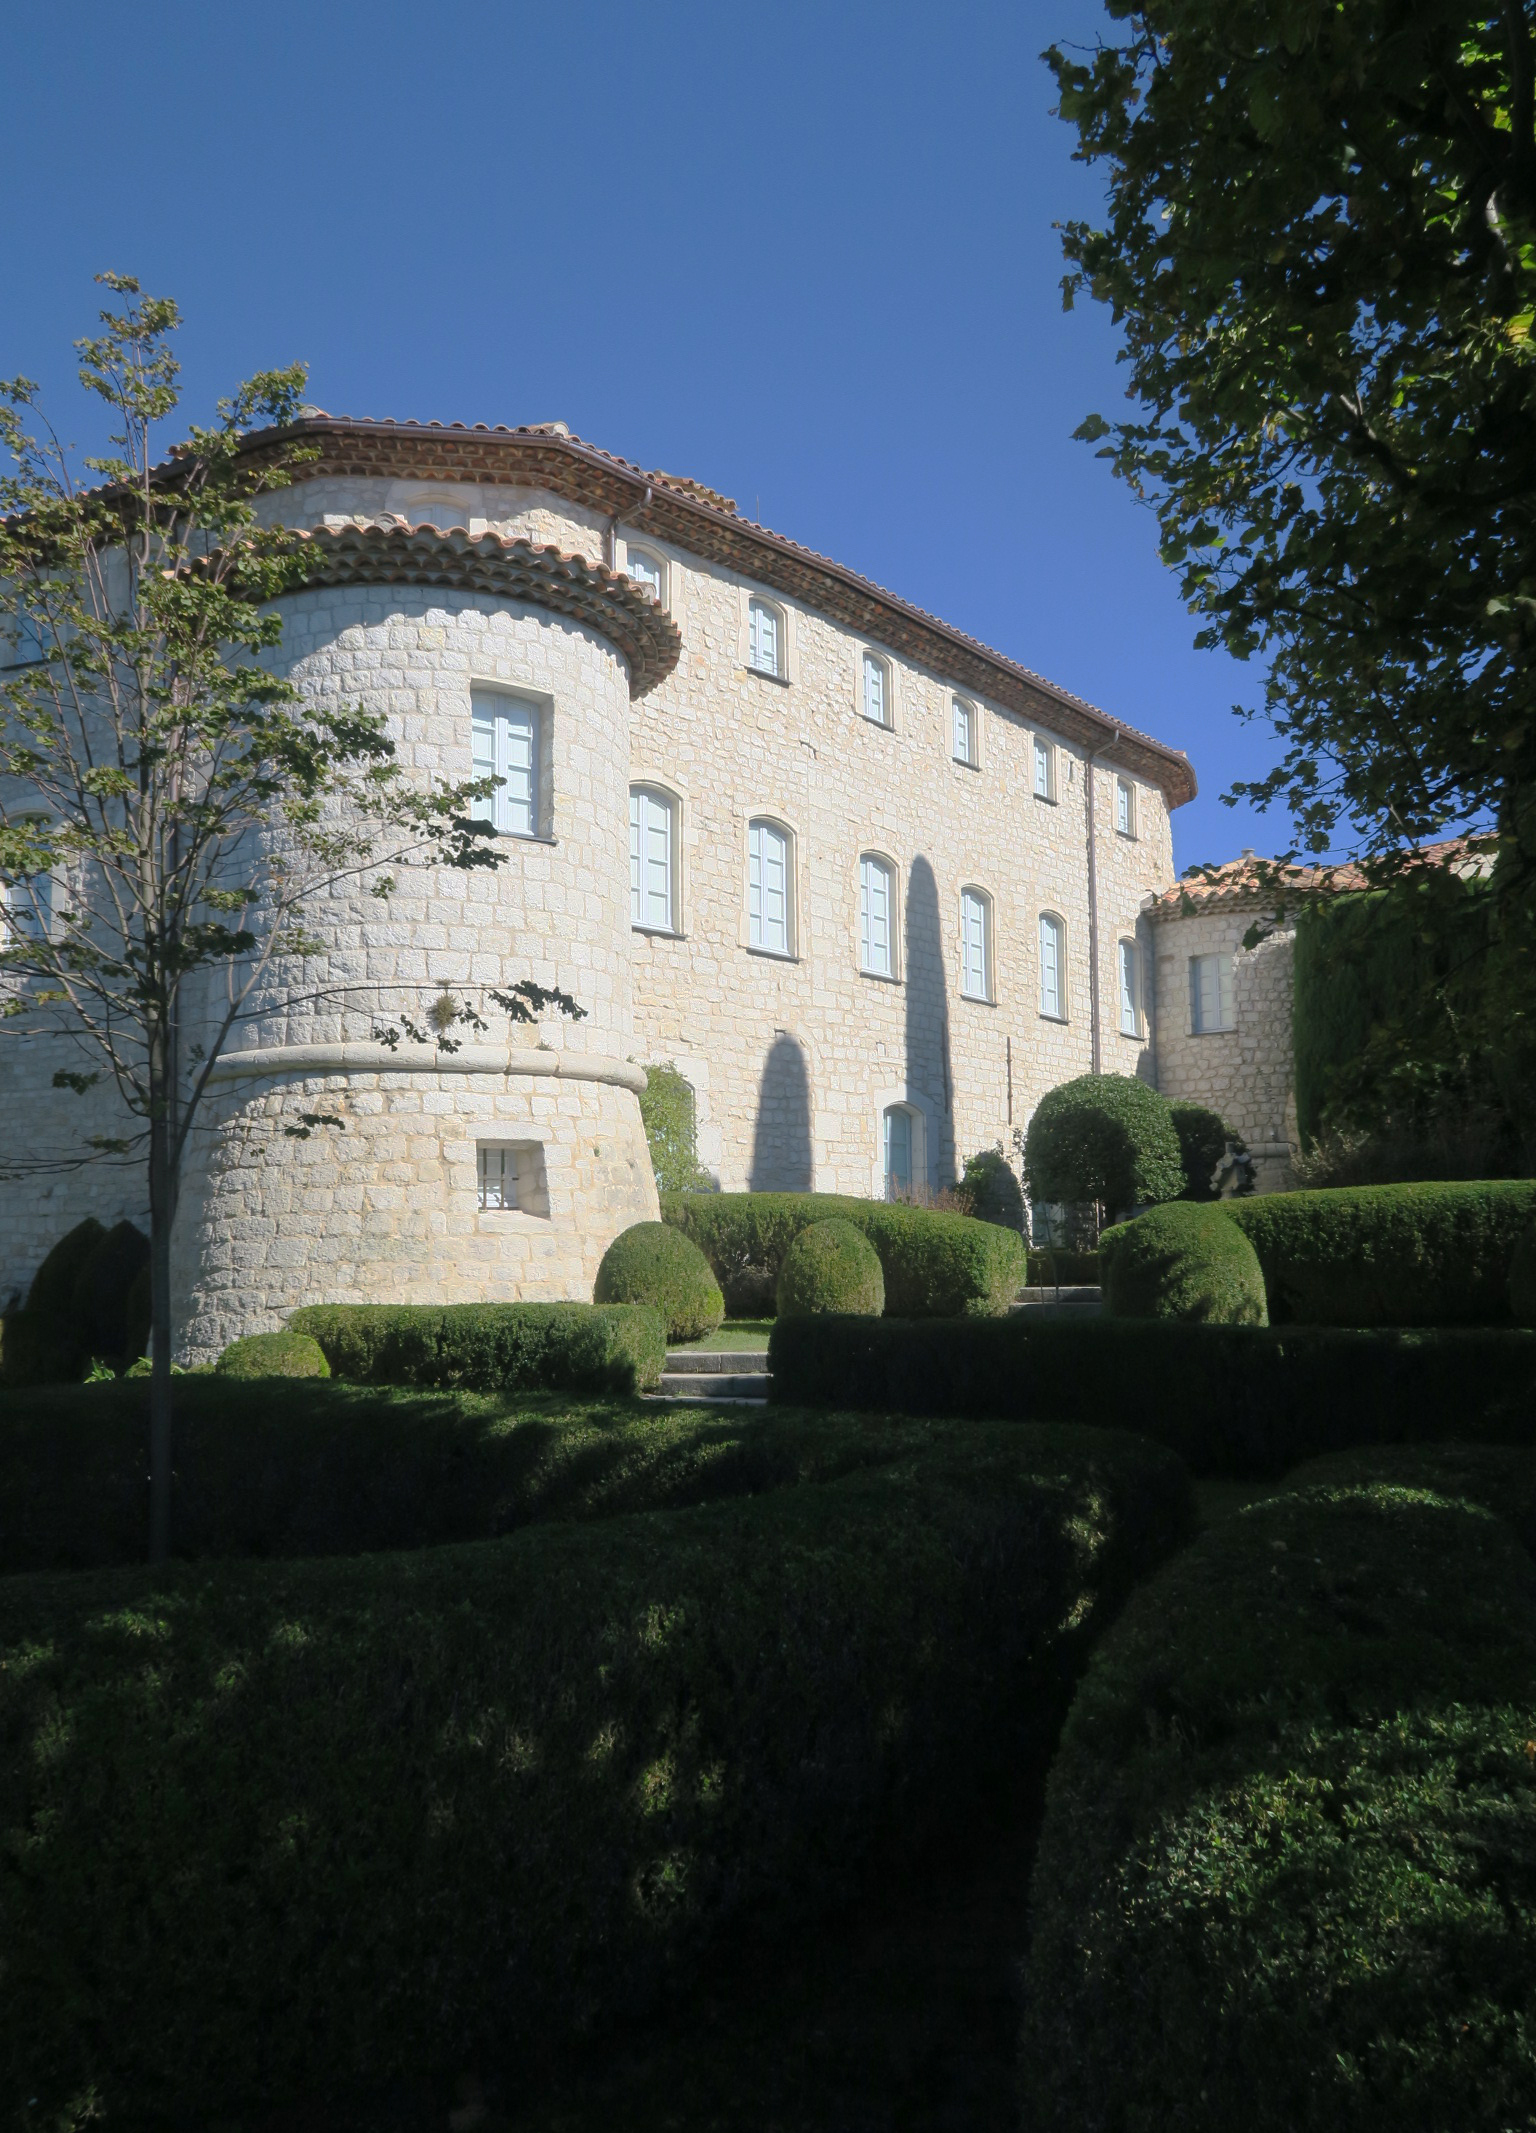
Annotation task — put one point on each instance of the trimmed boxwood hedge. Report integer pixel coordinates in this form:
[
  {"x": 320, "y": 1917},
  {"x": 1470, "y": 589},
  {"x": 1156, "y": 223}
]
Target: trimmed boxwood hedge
[
  {"x": 556, "y": 1347},
  {"x": 277, "y": 1828},
  {"x": 1287, "y": 1872},
  {"x": 1239, "y": 1401},
  {"x": 935, "y": 1265},
  {"x": 652, "y": 1263},
  {"x": 325, "y": 1468},
  {"x": 832, "y": 1266},
  {"x": 273, "y": 1355},
  {"x": 1389, "y": 1255},
  {"x": 1182, "y": 1261}
]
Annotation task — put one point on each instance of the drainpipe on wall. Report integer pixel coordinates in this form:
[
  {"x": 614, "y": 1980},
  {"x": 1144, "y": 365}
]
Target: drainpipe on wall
[{"x": 1093, "y": 921}]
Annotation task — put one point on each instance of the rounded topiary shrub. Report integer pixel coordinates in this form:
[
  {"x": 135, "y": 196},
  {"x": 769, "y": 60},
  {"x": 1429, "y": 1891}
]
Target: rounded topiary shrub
[
  {"x": 1183, "y": 1261},
  {"x": 652, "y": 1263},
  {"x": 989, "y": 1191},
  {"x": 273, "y": 1355},
  {"x": 831, "y": 1266},
  {"x": 1104, "y": 1137},
  {"x": 1522, "y": 1281}
]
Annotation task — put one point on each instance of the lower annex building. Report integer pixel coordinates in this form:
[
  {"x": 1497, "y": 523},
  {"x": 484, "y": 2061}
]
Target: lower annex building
[{"x": 873, "y": 888}]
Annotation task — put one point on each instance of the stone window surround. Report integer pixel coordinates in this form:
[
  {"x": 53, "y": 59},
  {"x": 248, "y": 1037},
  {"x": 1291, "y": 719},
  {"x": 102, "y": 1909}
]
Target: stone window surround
[
  {"x": 1138, "y": 1035},
  {"x": 780, "y": 820},
  {"x": 531, "y": 1175},
  {"x": 1063, "y": 989},
  {"x": 750, "y": 594},
  {"x": 663, "y": 562},
  {"x": 1052, "y": 794},
  {"x": 1126, "y": 785},
  {"x": 647, "y": 781},
  {"x": 896, "y": 974},
  {"x": 989, "y": 941},
  {"x": 973, "y": 760},
  {"x": 899, "y": 1097},
  {"x": 890, "y": 723},
  {"x": 544, "y": 704}
]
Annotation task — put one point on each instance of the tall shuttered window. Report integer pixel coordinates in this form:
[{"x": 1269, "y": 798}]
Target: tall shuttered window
[
  {"x": 652, "y": 860},
  {"x": 898, "y": 1153},
  {"x": 770, "y": 889},
  {"x": 765, "y": 638},
  {"x": 877, "y": 690},
  {"x": 1053, "y": 981},
  {"x": 964, "y": 730},
  {"x": 877, "y": 945},
  {"x": 975, "y": 945},
  {"x": 1211, "y": 1005},
  {"x": 506, "y": 746},
  {"x": 1125, "y": 807},
  {"x": 1130, "y": 990},
  {"x": 1045, "y": 770}
]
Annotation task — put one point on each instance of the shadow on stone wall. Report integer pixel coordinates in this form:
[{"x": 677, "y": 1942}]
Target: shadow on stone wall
[
  {"x": 781, "y": 1138},
  {"x": 927, "y": 1002}
]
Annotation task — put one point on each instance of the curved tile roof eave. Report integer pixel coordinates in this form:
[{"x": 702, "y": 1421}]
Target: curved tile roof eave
[
  {"x": 396, "y": 553},
  {"x": 680, "y": 510}
]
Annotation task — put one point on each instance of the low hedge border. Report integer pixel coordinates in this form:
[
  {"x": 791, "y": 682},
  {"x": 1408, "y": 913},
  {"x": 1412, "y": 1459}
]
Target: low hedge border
[
  {"x": 936, "y": 1265},
  {"x": 272, "y": 1829},
  {"x": 1287, "y": 1871},
  {"x": 1245, "y": 1402},
  {"x": 311, "y": 1468},
  {"x": 521, "y": 1347},
  {"x": 1389, "y": 1255}
]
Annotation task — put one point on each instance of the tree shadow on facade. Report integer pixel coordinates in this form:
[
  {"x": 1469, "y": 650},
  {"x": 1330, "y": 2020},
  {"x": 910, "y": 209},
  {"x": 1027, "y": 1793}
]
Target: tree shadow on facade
[
  {"x": 781, "y": 1138},
  {"x": 927, "y": 1032}
]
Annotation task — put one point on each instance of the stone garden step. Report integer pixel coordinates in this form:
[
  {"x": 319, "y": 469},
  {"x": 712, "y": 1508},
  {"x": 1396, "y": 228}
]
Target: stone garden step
[
  {"x": 712, "y": 1361},
  {"x": 1078, "y": 1301},
  {"x": 696, "y": 1375}
]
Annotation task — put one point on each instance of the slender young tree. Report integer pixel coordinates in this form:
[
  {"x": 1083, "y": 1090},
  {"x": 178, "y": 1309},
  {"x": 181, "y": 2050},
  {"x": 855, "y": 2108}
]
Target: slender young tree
[{"x": 172, "y": 811}]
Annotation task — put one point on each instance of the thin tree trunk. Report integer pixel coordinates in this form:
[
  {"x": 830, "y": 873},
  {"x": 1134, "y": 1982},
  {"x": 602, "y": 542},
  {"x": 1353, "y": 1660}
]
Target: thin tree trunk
[{"x": 162, "y": 1209}]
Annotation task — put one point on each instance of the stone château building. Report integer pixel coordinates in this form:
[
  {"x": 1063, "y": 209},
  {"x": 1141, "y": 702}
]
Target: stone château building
[{"x": 873, "y": 887}]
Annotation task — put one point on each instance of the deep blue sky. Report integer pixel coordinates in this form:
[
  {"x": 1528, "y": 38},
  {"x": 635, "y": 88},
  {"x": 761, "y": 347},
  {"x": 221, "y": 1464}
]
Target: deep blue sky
[{"x": 804, "y": 253}]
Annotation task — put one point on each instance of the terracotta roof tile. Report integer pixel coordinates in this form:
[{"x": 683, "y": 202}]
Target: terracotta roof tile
[{"x": 1251, "y": 880}]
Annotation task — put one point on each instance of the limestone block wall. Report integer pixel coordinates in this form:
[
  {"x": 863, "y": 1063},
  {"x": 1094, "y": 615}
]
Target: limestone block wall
[
  {"x": 1246, "y": 1073},
  {"x": 795, "y": 1061}
]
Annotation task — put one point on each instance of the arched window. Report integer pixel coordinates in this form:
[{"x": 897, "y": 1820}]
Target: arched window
[
  {"x": 963, "y": 717},
  {"x": 1045, "y": 769},
  {"x": 898, "y": 1152},
  {"x": 1053, "y": 967},
  {"x": 1130, "y": 990},
  {"x": 877, "y": 917},
  {"x": 652, "y": 859},
  {"x": 506, "y": 746},
  {"x": 975, "y": 944},
  {"x": 875, "y": 698},
  {"x": 765, "y": 638},
  {"x": 647, "y": 570},
  {"x": 439, "y": 511},
  {"x": 770, "y": 889}
]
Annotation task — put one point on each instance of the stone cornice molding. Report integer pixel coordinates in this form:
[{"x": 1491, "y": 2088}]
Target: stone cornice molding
[
  {"x": 265, "y": 1061},
  {"x": 694, "y": 519},
  {"x": 395, "y": 553}
]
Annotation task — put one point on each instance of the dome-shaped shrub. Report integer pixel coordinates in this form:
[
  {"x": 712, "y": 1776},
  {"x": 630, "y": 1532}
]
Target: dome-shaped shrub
[
  {"x": 1183, "y": 1261},
  {"x": 1522, "y": 1281},
  {"x": 989, "y": 1191},
  {"x": 1105, "y": 1137},
  {"x": 652, "y": 1263},
  {"x": 831, "y": 1266},
  {"x": 273, "y": 1355},
  {"x": 1204, "y": 1137}
]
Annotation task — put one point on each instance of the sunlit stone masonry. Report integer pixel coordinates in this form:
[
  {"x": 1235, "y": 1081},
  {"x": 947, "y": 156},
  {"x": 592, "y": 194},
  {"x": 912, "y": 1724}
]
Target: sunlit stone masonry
[{"x": 873, "y": 887}]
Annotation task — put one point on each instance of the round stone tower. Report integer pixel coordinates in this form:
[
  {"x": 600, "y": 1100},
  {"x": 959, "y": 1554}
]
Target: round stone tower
[{"x": 332, "y": 1166}]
